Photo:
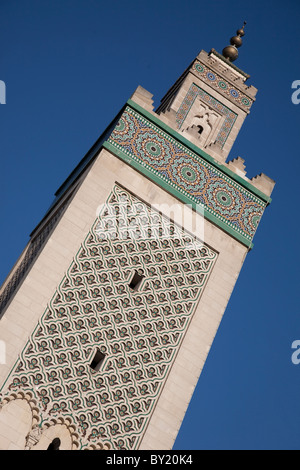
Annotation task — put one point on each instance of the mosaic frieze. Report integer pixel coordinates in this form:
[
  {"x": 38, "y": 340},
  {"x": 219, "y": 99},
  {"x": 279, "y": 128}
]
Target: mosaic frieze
[
  {"x": 175, "y": 165},
  {"x": 195, "y": 92},
  {"x": 138, "y": 332},
  {"x": 223, "y": 86}
]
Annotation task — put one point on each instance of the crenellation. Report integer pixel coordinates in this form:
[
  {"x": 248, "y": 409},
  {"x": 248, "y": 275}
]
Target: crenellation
[
  {"x": 237, "y": 165},
  {"x": 143, "y": 98},
  {"x": 264, "y": 183}
]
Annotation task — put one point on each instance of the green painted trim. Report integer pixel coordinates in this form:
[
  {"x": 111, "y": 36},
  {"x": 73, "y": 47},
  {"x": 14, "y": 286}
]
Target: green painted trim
[
  {"x": 172, "y": 190},
  {"x": 155, "y": 120}
]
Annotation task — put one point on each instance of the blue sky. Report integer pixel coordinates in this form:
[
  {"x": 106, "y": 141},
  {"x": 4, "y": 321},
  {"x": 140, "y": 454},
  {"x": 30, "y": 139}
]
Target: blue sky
[{"x": 69, "y": 66}]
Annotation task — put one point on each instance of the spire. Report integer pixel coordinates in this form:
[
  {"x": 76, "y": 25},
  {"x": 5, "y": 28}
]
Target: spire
[{"x": 231, "y": 52}]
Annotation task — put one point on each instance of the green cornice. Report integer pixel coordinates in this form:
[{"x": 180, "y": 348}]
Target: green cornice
[{"x": 155, "y": 120}]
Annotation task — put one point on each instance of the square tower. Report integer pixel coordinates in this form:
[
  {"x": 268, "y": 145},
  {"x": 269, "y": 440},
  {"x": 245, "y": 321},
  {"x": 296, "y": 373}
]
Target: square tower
[{"x": 109, "y": 314}]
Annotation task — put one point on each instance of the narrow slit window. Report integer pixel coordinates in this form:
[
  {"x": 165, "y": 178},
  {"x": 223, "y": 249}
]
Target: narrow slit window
[
  {"x": 136, "y": 281},
  {"x": 97, "y": 360}
]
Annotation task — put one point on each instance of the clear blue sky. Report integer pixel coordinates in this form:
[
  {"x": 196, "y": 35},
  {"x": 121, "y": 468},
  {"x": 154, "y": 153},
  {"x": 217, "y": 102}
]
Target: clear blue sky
[{"x": 69, "y": 66}]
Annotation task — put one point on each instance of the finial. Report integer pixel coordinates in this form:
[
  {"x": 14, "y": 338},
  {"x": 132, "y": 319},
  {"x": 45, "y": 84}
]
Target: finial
[{"x": 231, "y": 52}]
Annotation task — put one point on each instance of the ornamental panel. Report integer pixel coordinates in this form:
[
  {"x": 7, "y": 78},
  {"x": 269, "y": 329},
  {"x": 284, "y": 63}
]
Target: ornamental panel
[
  {"x": 223, "y": 86},
  {"x": 172, "y": 164},
  {"x": 137, "y": 331},
  {"x": 184, "y": 109}
]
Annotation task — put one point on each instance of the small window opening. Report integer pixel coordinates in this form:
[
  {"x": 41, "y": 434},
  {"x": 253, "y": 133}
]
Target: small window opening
[
  {"x": 97, "y": 360},
  {"x": 200, "y": 129},
  {"x": 136, "y": 281},
  {"x": 54, "y": 445}
]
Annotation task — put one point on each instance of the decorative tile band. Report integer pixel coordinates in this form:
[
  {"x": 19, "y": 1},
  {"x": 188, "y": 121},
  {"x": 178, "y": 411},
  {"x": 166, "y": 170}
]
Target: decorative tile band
[
  {"x": 223, "y": 86},
  {"x": 170, "y": 162},
  {"x": 188, "y": 102},
  {"x": 138, "y": 332}
]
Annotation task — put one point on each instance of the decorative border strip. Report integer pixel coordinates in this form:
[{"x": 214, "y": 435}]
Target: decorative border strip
[
  {"x": 223, "y": 86},
  {"x": 172, "y": 165},
  {"x": 154, "y": 119}
]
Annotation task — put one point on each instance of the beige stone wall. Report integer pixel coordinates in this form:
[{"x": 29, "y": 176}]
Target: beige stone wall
[
  {"x": 29, "y": 303},
  {"x": 15, "y": 423}
]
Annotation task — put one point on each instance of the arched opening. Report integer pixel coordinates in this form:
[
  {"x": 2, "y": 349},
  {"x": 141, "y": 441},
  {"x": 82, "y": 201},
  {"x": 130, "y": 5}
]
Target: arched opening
[
  {"x": 54, "y": 437},
  {"x": 55, "y": 444}
]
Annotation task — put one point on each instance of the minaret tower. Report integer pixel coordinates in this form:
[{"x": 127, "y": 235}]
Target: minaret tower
[{"x": 109, "y": 314}]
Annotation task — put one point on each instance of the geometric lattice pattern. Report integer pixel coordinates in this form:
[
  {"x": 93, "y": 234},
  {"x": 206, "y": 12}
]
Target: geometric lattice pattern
[
  {"x": 138, "y": 332},
  {"x": 223, "y": 86},
  {"x": 167, "y": 160},
  {"x": 188, "y": 101}
]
